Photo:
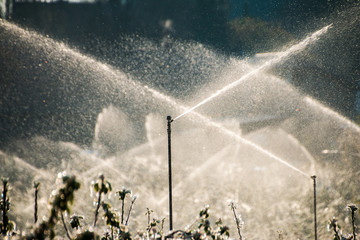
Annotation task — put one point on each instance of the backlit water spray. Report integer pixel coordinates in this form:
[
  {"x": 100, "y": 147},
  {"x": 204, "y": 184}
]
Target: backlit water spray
[
  {"x": 110, "y": 78},
  {"x": 128, "y": 84},
  {"x": 298, "y": 47},
  {"x": 293, "y": 49},
  {"x": 226, "y": 131},
  {"x": 249, "y": 143},
  {"x": 315, "y": 104}
]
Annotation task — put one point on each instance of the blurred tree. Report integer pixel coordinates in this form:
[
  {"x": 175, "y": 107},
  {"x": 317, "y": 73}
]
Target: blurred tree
[{"x": 246, "y": 9}]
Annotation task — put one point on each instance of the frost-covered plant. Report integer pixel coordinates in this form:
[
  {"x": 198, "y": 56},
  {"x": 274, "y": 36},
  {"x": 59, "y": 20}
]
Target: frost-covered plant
[
  {"x": 36, "y": 188},
  {"x": 161, "y": 227},
  {"x": 151, "y": 229},
  {"x": 107, "y": 236},
  {"x": 101, "y": 187},
  {"x": 237, "y": 217},
  {"x": 122, "y": 195},
  {"x": 60, "y": 203},
  {"x": 150, "y": 224},
  {"x": 222, "y": 229},
  {"x": 204, "y": 221},
  {"x": 118, "y": 231},
  {"x": 334, "y": 225},
  {"x": 203, "y": 229},
  {"x": 124, "y": 233},
  {"x": 155, "y": 227},
  {"x": 75, "y": 221},
  {"x": 111, "y": 218},
  {"x": 148, "y": 213},
  {"x": 130, "y": 209},
  {"x": 220, "y": 232}
]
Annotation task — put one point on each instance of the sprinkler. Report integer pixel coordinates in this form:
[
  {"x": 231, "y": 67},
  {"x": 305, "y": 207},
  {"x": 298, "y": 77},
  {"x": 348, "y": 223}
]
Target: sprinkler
[
  {"x": 315, "y": 224},
  {"x": 169, "y": 120}
]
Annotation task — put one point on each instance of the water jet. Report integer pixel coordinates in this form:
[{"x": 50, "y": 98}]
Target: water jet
[{"x": 280, "y": 57}]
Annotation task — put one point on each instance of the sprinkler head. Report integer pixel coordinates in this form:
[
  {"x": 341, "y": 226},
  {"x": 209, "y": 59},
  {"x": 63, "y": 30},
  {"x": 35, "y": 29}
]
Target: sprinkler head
[
  {"x": 169, "y": 119},
  {"x": 313, "y": 177}
]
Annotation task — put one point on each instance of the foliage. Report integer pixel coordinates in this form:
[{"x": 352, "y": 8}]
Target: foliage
[
  {"x": 202, "y": 228},
  {"x": 155, "y": 227},
  {"x": 111, "y": 218},
  {"x": 60, "y": 202}
]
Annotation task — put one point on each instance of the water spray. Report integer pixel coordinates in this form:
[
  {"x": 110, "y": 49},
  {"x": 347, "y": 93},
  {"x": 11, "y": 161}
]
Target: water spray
[
  {"x": 290, "y": 51},
  {"x": 169, "y": 120},
  {"x": 224, "y": 130},
  {"x": 131, "y": 85},
  {"x": 315, "y": 221}
]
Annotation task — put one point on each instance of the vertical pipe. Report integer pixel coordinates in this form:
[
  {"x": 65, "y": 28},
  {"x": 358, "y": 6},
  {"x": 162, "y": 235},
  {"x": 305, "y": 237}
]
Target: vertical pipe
[
  {"x": 315, "y": 221},
  {"x": 3, "y": 227},
  {"x": 36, "y": 186},
  {"x": 169, "y": 120}
]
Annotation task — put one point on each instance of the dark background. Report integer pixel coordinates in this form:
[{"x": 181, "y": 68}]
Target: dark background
[{"x": 206, "y": 21}]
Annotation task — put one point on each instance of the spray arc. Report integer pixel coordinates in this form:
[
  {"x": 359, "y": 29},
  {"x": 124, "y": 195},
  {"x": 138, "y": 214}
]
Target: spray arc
[
  {"x": 295, "y": 48},
  {"x": 290, "y": 51}
]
